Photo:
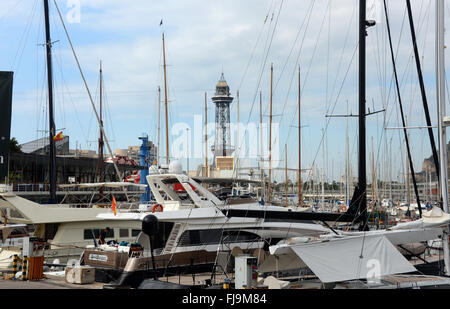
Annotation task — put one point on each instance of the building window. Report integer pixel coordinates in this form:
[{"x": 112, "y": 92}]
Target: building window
[
  {"x": 124, "y": 233},
  {"x": 135, "y": 233}
]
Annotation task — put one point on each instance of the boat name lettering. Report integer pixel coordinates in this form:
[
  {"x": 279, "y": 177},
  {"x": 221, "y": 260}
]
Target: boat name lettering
[{"x": 98, "y": 257}]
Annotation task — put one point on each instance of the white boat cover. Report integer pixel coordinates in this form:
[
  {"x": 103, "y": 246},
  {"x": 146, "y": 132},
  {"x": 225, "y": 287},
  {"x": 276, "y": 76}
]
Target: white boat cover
[
  {"x": 359, "y": 257},
  {"x": 433, "y": 218}
]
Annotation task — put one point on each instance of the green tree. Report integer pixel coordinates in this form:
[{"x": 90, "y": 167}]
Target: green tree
[
  {"x": 13, "y": 177},
  {"x": 14, "y": 145}
]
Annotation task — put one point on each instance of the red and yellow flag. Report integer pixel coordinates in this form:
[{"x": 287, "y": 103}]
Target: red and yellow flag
[
  {"x": 114, "y": 206},
  {"x": 58, "y": 137}
]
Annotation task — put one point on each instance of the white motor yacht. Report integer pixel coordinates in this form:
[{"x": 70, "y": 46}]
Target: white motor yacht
[{"x": 193, "y": 228}]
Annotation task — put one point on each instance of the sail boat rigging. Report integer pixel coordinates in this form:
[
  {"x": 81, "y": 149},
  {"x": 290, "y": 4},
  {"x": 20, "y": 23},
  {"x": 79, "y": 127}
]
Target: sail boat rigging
[
  {"x": 411, "y": 166},
  {"x": 422, "y": 88},
  {"x": 320, "y": 255},
  {"x": 357, "y": 211},
  {"x": 87, "y": 89}
]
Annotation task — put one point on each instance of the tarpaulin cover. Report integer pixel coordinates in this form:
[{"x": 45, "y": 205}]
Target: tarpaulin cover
[
  {"x": 359, "y": 257},
  {"x": 433, "y": 218}
]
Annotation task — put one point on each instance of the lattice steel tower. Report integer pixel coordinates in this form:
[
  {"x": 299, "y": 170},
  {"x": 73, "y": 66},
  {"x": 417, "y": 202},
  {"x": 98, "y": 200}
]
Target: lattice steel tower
[{"x": 222, "y": 99}]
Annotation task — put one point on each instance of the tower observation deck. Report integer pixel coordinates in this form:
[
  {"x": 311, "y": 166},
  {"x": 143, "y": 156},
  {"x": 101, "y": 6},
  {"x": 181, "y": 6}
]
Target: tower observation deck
[{"x": 222, "y": 99}]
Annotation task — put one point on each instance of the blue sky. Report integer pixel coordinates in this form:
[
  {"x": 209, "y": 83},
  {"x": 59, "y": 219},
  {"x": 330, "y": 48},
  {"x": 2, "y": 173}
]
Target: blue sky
[{"x": 204, "y": 38}]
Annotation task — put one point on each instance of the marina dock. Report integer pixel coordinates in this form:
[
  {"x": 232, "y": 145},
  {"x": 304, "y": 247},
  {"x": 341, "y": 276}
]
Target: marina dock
[
  {"x": 57, "y": 281},
  {"x": 244, "y": 201}
]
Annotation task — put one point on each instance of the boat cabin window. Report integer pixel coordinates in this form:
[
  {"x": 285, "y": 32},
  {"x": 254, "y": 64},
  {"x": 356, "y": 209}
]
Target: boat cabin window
[
  {"x": 180, "y": 191},
  {"x": 212, "y": 237},
  {"x": 123, "y": 233},
  {"x": 91, "y": 233},
  {"x": 11, "y": 213}
]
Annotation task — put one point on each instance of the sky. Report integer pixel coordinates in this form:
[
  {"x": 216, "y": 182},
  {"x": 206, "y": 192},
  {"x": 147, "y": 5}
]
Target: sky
[{"x": 241, "y": 39}]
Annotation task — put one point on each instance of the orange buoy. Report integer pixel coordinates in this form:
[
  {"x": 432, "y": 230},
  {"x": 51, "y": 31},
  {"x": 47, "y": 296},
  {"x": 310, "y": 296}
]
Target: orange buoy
[{"x": 157, "y": 208}]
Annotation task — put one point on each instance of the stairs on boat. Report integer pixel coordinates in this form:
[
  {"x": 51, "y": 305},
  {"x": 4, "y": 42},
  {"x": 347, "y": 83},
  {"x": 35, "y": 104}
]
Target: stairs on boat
[{"x": 173, "y": 236}]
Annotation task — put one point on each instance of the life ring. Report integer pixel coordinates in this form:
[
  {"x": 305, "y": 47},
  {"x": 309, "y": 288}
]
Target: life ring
[
  {"x": 343, "y": 208},
  {"x": 157, "y": 208}
]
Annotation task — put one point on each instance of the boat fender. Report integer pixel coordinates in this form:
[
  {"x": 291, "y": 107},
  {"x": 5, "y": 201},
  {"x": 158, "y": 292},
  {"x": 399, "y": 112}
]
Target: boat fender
[{"x": 157, "y": 208}]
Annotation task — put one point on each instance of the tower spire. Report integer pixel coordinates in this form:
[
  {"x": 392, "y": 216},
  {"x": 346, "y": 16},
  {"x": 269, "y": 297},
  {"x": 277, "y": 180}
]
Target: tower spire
[{"x": 222, "y": 99}]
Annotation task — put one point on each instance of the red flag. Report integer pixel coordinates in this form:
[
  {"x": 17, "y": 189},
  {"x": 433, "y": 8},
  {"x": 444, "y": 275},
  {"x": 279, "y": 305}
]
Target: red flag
[
  {"x": 58, "y": 137},
  {"x": 114, "y": 206}
]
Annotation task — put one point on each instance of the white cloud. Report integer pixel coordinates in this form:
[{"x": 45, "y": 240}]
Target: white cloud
[{"x": 202, "y": 37}]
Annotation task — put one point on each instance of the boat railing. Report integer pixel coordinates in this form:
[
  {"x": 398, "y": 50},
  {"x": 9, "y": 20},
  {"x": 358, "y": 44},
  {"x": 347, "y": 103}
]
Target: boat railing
[
  {"x": 30, "y": 187},
  {"x": 33, "y": 188}
]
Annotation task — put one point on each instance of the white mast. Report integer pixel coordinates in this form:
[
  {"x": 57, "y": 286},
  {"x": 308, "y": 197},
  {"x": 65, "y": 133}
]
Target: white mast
[
  {"x": 263, "y": 183},
  {"x": 159, "y": 123},
  {"x": 238, "y": 148},
  {"x": 440, "y": 88},
  {"x": 347, "y": 165},
  {"x": 323, "y": 169}
]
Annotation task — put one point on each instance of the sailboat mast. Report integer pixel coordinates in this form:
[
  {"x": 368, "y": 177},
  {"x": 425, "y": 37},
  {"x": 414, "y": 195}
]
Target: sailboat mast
[
  {"x": 100, "y": 140},
  {"x": 237, "y": 128},
  {"x": 263, "y": 183},
  {"x": 323, "y": 168},
  {"x": 347, "y": 163},
  {"x": 422, "y": 88},
  {"x": 390, "y": 171},
  {"x": 373, "y": 178},
  {"x": 408, "y": 149},
  {"x": 159, "y": 125},
  {"x": 440, "y": 88},
  {"x": 408, "y": 193},
  {"x": 52, "y": 129},
  {"x": 300, "y": 182},
  {"x": 270, "y": 134},
  {"x": 286, "y": 175},
  {"x": 206, "y": 136},
  {"x": 362, "y": 172},
  {"x": 165, "y": 100}
]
